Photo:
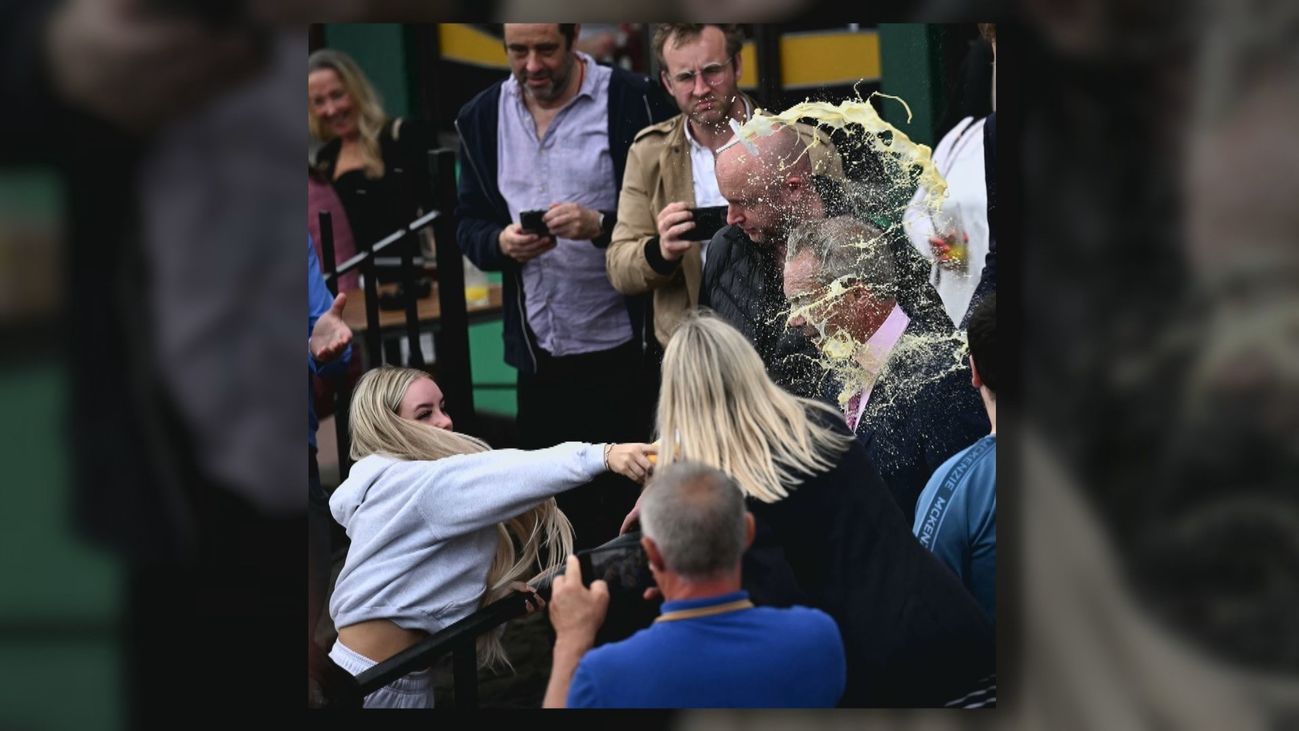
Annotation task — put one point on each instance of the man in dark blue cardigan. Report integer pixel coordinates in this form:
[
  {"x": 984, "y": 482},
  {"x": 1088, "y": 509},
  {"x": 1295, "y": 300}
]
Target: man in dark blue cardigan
[{"x": 554, "y": 137}]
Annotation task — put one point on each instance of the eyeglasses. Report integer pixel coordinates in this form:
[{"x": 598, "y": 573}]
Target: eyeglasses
[{"x": 712, "y": 73}]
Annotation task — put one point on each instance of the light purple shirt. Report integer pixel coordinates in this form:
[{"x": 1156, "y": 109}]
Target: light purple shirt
[{"x": 571, "y": 305}]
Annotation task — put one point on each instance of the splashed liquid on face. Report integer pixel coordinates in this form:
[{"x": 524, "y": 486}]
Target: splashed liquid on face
[
  {"x": 849, "y": 278},
  {"x": 858, "y": 118}
]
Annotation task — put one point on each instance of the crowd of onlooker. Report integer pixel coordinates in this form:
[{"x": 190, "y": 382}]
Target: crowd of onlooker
[{"x": 793, "y": 402}]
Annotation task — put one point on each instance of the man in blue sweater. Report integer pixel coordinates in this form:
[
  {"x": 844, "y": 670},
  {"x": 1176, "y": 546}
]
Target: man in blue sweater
[
  {"x": 710, "y": 647},
  {"x": 956, "y": 515}
]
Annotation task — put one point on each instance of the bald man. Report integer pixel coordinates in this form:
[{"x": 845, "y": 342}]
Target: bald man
[{"x": 766, "y": 194}]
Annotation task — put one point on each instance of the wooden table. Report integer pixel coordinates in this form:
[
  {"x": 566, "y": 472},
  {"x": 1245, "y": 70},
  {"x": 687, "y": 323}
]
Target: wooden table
[{"x": 429, "y": 309}]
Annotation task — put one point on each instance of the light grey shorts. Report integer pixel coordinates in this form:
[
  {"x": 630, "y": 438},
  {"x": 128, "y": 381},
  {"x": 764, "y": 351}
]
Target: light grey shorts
[{"x": 414, "y": 690}]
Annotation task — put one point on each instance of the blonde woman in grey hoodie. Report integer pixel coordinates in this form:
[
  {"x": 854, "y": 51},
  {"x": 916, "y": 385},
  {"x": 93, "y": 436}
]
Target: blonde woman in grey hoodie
[{"x": 434, "y": 516}]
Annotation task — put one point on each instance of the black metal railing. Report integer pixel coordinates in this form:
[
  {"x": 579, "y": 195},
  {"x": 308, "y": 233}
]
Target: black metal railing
[
  {"x": 451, "y": 338},
  {"x": 342, "y": 690},
  {"x": 619, "y": 562}
]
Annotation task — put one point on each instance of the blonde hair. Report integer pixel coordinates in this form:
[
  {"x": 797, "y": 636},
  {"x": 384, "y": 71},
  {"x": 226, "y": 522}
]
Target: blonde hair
[
  {"x": 718, "y": 406},
  {"x": 377, "y": 429},
  {"x": 371, "y": 117}
]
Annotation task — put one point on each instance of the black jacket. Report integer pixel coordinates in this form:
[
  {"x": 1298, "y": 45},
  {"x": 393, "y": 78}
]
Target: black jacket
[
  {"x": 743, "y": 283},
  {"x": 635, "y": 102},
  {"x": 377, "y": 207},
  {"x": 922, "y": 410},
  {"x": 913, "y": 635}
]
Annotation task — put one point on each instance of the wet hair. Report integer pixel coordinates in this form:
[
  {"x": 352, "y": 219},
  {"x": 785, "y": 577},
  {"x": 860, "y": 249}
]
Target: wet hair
[{"x": 846, "y": 248}]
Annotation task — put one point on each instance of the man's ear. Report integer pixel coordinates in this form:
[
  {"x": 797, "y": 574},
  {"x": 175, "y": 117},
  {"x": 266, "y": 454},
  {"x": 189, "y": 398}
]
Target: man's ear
[
  {"x": 652, "y": 554},
  {"x": 974, "y": 375},
  {"x": 663, "y": 79},
  {"x": 749, "y": 529}
]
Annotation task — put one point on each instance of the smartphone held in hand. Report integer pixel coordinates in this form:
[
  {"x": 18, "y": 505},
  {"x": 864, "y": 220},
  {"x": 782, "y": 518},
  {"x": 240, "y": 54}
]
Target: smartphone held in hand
[
  {"x": 708, "y": 221},
  {"x": 530, "y": 222}
]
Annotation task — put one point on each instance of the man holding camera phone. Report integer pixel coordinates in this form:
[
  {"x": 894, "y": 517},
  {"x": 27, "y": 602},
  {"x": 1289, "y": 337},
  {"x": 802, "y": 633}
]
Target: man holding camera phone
[
  {"x": 670, "y": 180},
  {"x": 710, "y": 646}
]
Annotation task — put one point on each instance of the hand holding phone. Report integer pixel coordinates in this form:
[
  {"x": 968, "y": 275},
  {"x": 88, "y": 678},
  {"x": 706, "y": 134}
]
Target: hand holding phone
[
  {"x": 530, "y": 221},
  {"x": 673, "y": 225},
  {"x": 576, "y": 612},
  {"x": 708, "y": 221},
  {"x": 521, "y": 245},
  {"x": 621, "y": 563}
]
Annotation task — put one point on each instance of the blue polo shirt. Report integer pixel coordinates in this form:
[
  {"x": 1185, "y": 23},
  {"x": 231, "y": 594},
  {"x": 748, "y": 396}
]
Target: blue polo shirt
[{"x": 758, "y": 657}]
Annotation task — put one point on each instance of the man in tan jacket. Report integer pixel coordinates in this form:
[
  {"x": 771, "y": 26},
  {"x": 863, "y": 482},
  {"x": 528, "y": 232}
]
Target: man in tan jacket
[{"x": 670, "y": 170}]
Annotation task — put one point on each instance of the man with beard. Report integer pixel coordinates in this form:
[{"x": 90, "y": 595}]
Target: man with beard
[
  {"x": 554, "y": 137},
  {"x": 670, "y": 170}
]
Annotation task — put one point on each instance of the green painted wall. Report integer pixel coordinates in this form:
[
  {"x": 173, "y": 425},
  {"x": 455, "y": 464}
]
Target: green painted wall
[
  {"x": 60, "y": 609},
  {"x": 57, "y": 679},
  {"x": 380, "y": 50},
  {"x": 493, "y": 380},
  {"x": 910, "y": 67}
]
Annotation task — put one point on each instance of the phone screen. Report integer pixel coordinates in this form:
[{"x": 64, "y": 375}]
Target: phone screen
[
  {"x": 531, "y": 222},
  {"x": 621, "y": 563},
  {"x": 708, "y": 221}
]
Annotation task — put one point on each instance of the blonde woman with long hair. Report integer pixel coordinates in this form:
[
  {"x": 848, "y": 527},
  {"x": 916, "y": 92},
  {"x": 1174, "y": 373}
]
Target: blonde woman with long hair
[
  {"x": 829, "y": 534},
  {"x": 440, "y": 524},
  {"x": 378, "y": 165}
]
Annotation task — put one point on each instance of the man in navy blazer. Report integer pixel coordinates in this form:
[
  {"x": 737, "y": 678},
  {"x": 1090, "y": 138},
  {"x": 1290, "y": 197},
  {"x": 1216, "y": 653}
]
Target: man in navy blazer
[{"x": 905, "y": 388}]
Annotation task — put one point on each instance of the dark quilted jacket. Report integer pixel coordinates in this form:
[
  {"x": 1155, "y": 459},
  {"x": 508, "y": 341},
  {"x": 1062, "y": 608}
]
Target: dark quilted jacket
[{"x": 742, "y": 283}]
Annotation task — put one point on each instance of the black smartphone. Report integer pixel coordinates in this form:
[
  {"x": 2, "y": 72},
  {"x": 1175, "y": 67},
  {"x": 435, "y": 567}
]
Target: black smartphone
[
  {"x": 708, "y": 221},
  {"x": 621, "y": 563},
  {"x": 531, "y": 222}
]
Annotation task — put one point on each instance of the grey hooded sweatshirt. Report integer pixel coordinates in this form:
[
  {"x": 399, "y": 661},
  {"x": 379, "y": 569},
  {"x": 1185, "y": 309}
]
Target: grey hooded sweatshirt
[{"x": 423, "y": 533}]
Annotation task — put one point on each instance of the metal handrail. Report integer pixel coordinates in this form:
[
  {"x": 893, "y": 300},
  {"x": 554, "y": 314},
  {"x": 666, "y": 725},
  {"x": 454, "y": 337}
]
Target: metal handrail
[
  {"x": 451, "y": 341},
  {"x": 459, "y": 639},
  {"x": 358, "y": 259}
]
